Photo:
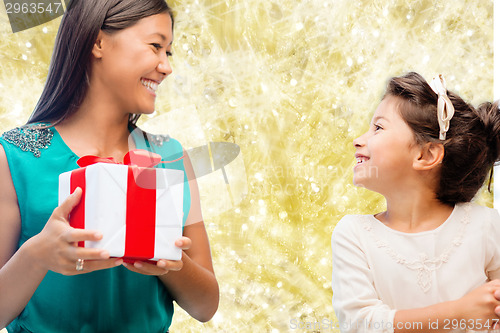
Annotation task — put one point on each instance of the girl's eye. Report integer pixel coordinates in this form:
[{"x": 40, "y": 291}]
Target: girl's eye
[{"x": 377, "y": 127}]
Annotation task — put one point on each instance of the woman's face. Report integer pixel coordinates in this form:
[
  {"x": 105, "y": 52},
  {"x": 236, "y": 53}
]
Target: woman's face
[{"x": 131, "y": 63}]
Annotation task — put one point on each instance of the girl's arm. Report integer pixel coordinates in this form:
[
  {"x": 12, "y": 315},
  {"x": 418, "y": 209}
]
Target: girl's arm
[
  {"x": 474, "y": 311},
  {"x": 355, "y": 299},
  {"x": 22, "y": 271},
  {"x": 359, "y": 308}
]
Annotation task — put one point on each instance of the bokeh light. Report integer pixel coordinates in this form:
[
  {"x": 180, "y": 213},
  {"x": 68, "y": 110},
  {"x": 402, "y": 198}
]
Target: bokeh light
[{"x": 292, "y": 82}]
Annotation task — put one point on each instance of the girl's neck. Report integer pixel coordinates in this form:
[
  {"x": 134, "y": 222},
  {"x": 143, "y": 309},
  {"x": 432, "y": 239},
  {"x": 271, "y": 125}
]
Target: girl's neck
[{"x": 415, "y": 213}]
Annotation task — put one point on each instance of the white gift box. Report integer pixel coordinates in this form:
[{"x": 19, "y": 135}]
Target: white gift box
[{"x": 116, "y": 206}]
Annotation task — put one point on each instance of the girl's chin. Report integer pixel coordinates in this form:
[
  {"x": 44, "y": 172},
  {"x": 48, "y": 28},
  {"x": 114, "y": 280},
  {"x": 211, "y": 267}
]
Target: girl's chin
[{"x": 361, "y": 183}]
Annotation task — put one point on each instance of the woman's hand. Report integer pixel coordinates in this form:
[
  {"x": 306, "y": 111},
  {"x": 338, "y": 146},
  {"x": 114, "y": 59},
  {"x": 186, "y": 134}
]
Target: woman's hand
[
  {"x": 162, "y": 266},
  {"x": 57, "y": 244}
]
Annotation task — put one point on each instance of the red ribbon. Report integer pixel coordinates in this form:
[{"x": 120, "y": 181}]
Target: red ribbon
[{"x": 141, "y": 200}]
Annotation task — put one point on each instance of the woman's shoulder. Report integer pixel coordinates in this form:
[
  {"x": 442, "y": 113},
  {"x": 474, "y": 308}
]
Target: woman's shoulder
[
  {"x": 163, "y": 144},
  {"x": 32, "y": 138}
]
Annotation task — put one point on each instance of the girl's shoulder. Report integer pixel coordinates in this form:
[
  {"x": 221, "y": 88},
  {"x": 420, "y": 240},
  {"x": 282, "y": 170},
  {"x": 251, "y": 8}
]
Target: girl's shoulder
[
  {"x": 482, "y": 214},
  {"x": 352, "y": 224}
]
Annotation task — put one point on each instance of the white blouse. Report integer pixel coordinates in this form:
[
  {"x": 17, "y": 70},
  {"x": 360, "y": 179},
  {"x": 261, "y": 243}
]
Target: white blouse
[{"x": 378, "y": 270}]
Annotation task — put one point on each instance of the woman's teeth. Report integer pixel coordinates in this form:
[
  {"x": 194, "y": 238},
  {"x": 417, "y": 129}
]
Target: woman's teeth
[{"x": 151, "y": 85}]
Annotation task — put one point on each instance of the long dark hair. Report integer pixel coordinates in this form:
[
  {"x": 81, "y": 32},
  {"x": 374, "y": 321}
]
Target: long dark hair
[
  {"x": 472, "y": 144},
  {"x": 68, "y": 78}
]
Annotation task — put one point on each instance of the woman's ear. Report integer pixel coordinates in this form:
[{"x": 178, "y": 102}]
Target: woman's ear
[
  {"x": 97, "y": 50},
  {"x": 430, "y": 156}
]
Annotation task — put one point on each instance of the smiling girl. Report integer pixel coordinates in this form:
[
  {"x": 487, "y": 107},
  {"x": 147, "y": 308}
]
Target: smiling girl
[
  {"x": 429, "y": 263},
  {"x": 109, "y": 58}
]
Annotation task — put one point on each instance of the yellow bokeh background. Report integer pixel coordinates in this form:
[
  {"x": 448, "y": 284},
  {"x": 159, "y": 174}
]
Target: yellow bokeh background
[{"x": 292, "y": 82}]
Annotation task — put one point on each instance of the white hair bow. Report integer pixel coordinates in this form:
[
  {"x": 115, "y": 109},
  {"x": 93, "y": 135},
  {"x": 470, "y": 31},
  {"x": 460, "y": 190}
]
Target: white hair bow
[{"x": 445, "y": 109}]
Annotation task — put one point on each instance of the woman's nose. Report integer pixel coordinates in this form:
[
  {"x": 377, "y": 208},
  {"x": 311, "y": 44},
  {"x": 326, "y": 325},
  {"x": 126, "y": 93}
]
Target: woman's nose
[{"x": 164, "y": 66}]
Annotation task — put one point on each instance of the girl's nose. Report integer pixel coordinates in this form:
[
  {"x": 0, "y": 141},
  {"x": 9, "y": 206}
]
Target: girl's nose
[{"x": 358, "y": 142}]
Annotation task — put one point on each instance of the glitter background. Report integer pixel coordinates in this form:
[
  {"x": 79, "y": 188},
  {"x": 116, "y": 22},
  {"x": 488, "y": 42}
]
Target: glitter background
[{"x": 292, "y": 82}]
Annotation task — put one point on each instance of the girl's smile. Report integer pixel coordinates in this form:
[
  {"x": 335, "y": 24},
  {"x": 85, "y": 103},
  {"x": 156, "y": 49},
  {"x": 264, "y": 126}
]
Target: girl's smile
[{"x": 384, "y": 153}]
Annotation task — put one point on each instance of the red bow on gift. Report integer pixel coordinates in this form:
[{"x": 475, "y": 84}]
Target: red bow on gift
[{"x": 135, "y": 157}]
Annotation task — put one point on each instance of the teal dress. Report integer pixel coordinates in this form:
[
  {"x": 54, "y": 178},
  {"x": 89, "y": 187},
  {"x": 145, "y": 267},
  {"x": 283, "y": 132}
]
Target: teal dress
[{"x": 111, "y": 300}]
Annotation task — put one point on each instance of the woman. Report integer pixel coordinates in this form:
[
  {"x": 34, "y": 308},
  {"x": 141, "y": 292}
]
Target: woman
[{"x": 109, "y": 58}]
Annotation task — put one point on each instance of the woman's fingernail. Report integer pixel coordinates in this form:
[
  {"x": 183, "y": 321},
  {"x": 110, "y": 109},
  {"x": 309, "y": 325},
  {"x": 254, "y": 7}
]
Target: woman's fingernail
[
  {"x": 137, "y": 264},
  {"x": 119, "y": 262},
  {"x": 124, "y": 264}
]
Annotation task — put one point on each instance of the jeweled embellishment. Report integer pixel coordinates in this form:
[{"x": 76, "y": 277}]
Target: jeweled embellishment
[
  {"x": 30, "y": 138},
  {"x": 158, "y": 139}
]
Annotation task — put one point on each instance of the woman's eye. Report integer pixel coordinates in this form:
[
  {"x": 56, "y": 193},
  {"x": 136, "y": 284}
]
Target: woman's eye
[
  {"x": 169, "y": 54},
  {"x": 156, "y": 46}
]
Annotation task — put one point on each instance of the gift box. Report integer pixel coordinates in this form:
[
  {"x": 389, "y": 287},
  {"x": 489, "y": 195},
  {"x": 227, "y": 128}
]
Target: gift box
[{"x": 137, "y": 208}]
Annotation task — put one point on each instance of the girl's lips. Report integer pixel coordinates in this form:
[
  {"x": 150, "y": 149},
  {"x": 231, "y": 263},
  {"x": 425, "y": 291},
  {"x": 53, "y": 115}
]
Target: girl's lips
[{"x": 361, "y": 158}]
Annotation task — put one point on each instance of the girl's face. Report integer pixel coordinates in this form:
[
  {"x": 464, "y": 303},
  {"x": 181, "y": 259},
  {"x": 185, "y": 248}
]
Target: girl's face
[
  {"x": 385, "y": 153},
  {"x": 131, "y": 63}
]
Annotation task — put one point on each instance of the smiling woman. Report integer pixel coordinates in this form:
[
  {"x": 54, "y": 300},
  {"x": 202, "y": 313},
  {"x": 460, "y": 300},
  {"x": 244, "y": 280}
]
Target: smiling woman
[
  {"x": 143, "y": 50},
  {"x": 109, "y": 58}
]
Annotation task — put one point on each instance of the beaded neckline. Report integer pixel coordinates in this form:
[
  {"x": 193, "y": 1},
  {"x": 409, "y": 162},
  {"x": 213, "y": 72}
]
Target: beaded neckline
[
  {"x": 424, "y": 266},
  {"x": 36, "y": 137},
  {"x": 31, "y": 138}
]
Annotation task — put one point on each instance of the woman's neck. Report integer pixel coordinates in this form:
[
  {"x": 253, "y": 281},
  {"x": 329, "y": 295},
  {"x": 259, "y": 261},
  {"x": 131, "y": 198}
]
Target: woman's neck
[{"x": 96, "y": 130}]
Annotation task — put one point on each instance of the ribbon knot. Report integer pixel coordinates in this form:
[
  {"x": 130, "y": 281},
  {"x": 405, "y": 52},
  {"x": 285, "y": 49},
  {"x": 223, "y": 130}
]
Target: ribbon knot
[
  {"x": 445, "y": 109},
  {"x": 135, "y": 157}
]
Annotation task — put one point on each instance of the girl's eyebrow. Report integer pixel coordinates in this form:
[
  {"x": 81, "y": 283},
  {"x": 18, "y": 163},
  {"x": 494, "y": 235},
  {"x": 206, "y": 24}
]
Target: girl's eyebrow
[{"x": 380, "y": 117}]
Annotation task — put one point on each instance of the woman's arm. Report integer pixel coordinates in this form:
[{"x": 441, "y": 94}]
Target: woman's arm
[
  {"x": 191, "y": 281},
  {"x": 54, "y": 249},
  {"x": 195, "y": 287},
  {"x": 19, "y": 275}
]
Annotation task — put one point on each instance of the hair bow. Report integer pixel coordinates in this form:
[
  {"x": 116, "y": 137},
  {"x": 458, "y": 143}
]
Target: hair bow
[{"x": 445, "y": 109}]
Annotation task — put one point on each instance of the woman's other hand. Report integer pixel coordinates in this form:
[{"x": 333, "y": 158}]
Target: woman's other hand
[
  {"x": 57, "y": 244},
  {"x": 162, "y": 266}
]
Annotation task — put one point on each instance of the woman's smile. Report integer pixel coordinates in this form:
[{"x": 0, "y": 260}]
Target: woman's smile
[{"x": 150, "y": 85}]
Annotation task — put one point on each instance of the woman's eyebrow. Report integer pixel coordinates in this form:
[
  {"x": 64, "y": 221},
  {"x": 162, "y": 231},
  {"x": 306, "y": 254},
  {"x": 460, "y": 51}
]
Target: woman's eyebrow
[{"x": 162, "y": 36}]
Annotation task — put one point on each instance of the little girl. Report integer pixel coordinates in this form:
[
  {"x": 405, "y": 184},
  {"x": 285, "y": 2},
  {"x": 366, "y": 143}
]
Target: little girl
[{"x": 428, "y": 263}]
